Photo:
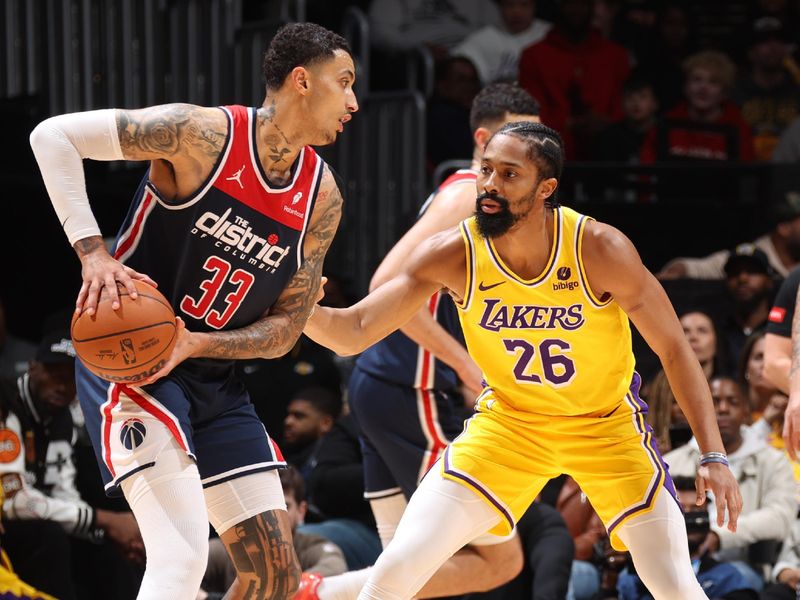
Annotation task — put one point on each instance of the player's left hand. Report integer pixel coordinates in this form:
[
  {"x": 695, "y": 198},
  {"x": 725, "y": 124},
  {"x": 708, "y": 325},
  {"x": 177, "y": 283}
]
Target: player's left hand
[
  {"x": 718, "y": 478},
  {"x": 186, "y": 345}
]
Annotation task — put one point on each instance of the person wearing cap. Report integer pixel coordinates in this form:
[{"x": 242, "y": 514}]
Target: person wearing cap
[
  {"x": 781, "y": 244},
  {"x": 749, "y": 283},
  {"x": 767, "y": 95},
  {"x": 43, "y": 507}
]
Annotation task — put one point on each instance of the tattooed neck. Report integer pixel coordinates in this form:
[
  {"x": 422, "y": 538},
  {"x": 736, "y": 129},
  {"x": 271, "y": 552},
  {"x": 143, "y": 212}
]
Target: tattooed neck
[{"x": 280, "y": 151}]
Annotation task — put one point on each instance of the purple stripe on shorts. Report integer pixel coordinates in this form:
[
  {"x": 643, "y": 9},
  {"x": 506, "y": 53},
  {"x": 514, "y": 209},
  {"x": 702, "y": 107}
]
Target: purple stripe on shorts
[
  {"x": 651, "y": 446},
  {"x": 475, "y": 484}
]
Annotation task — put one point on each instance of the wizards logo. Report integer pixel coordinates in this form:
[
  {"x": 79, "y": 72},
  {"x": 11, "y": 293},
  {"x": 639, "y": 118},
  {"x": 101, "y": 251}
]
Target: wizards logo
[{"x": 132, "y": 433}]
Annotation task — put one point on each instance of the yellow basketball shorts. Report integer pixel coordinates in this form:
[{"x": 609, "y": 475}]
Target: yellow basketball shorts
[{"x": 507, "y": 460}]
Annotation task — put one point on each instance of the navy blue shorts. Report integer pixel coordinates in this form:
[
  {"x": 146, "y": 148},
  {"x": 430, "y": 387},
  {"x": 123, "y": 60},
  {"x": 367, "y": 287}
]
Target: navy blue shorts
[
  {"x": 404, "y": 430},
  {"x": 201, "y": 405}
]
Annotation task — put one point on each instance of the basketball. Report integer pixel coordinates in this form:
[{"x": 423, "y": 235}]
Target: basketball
[{"x": 130, "y": 344}]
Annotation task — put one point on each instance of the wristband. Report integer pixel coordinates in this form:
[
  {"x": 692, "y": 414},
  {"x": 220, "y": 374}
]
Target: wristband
[{"x": 714, "y": 457}]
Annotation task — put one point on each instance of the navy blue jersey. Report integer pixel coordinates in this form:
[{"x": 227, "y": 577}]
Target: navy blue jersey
[
  {"x": 224, "y": 255},
  {"x": 400, "y": 360}
]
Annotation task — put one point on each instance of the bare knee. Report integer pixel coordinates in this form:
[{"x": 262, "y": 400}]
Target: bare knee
[{"x": 503, "y": 563}]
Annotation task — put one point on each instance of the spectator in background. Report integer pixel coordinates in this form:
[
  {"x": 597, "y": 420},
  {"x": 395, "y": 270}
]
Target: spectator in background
[
  {"x": 701, "y": 333},
  {"x": 338, "y": 510},
  {"x": 767, "y": 402},
  {"x": 495, "y": 49},
  {"x": 449, "y": 134},
  {"x": 720, "y": 580},
  {"x": 43, "y": 508},
  {"x": 577, "y": 76},
  {"x": 765, "y": 408},
  {"x": 719, "y": 24},
  {"x": 673, "y": 44},
  {"x": 399, "y": 25},
  {"x": 705, "y": 126},
  {"x": 767, "y": 95},
  {"x": 750, "y": 283},
  {"x": 310, "y": 415},
  {"x": 781, "y": 244},
  {"x": 765, "y": 479},
  {"x": 316, "y": 554},
  {"x": 786, "y": 572},
  {"x": 14, "y": 352},
  {"x": 785, "y": 11},
  {"x": 622, "y": 141},
  {"x": 272, "y": 383}
]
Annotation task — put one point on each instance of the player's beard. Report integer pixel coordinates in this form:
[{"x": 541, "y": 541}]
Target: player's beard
[{"x": 495, "y": 224}]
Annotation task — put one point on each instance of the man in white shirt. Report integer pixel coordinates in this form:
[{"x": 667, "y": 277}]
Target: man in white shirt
[
  {"x": 781, "y": 244},
  {"x": 765, "y": 479},
  {"x": 495, "y": 49}
]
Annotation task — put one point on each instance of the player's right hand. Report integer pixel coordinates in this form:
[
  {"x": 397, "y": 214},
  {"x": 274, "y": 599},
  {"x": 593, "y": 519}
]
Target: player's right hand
[
  {"x": 100, "y": 270},
  {"x": 719, "y": 479}
]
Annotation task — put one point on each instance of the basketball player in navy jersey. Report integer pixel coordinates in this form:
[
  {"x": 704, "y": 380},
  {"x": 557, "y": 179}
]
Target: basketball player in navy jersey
[
  {"x": 233, "y": 220},
  {"x": 404, "y": 390}
]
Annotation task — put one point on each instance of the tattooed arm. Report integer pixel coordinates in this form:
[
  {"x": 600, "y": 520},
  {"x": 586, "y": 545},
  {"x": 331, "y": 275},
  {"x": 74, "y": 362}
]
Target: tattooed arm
[
  {"x": 276, "y": 333},
  {"x": 182, "y": 140}
]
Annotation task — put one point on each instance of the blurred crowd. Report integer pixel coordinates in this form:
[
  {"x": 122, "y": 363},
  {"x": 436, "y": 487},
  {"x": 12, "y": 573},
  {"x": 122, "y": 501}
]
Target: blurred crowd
[{"x": 628, "y": 81}]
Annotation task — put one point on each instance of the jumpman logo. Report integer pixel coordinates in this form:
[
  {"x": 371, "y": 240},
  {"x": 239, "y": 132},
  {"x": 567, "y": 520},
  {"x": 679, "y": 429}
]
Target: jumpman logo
[{"x": 237, "y": 177}]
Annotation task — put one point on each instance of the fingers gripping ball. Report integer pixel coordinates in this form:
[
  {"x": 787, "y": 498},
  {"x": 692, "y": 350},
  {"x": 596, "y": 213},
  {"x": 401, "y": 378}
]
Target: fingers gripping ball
[{"x": 129, "y": 344}]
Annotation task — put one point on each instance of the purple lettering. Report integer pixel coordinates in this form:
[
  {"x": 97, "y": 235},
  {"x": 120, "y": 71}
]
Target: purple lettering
[{"x": 487, "y": 312}]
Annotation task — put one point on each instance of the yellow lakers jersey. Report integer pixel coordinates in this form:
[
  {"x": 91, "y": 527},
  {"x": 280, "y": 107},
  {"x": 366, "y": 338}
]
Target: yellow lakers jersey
[{"x": 546, "y": 345}]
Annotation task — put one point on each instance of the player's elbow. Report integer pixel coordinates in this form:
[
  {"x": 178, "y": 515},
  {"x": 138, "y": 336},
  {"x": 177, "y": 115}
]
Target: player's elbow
[
  {"x": 350, "y": 348},
  {"x": 41, "y": 136}
]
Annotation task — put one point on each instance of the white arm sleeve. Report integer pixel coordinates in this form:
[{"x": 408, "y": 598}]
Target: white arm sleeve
[{"x": 59, "y": 145}]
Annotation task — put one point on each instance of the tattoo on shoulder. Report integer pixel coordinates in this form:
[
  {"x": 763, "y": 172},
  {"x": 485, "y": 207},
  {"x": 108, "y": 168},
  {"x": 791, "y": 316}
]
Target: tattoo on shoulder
[{"x": 164, "y": 130}]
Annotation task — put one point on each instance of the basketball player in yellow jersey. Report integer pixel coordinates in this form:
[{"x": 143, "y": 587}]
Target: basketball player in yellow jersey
[{"x": 544, "y": 296}]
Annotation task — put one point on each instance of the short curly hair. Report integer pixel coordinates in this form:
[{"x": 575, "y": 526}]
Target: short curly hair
[
  {"x": 498, "y": 99},
  {"x": 722, "y": 68},
  {"x": 299, "y": 45}
]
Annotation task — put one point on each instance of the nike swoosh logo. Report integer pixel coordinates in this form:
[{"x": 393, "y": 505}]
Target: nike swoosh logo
[{"x": 483, "y": 288}]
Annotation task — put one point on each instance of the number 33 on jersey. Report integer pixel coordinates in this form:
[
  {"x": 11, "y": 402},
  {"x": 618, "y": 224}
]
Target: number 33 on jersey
[{"x": 224, "y": 255}]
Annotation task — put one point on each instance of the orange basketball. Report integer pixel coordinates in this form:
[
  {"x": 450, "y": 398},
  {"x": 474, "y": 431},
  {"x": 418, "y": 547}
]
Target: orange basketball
[{"x": 129, "y": 344}]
